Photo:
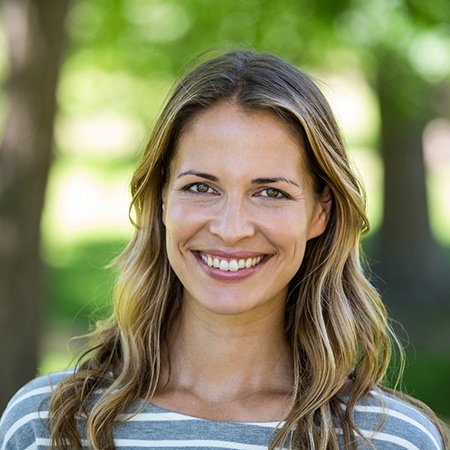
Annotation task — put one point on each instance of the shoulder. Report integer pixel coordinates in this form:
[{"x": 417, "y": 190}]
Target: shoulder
[
  {"x": 23, "y": 422},
  {"x": 391, "y": 422}
]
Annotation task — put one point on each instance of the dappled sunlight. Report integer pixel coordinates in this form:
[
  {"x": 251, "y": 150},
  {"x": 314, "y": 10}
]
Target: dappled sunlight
[
  {"x": 354, "y": 104},
  {"x": 437, "y": 159},
  {"x": 157, "y": 21},
  {"x": 101, "y": 136},
  {"x": 91, "y": 91},
  {"x": 84, "y": 205},
  {"x": 104, "y": 120},
  {"x": 429, "y": 52},
  {"x": 437, "y": 146},
  {"x": 369, "y": 166}
]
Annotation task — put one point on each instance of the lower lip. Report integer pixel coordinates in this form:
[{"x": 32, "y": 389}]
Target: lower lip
[{"x": 223, "y": 275}]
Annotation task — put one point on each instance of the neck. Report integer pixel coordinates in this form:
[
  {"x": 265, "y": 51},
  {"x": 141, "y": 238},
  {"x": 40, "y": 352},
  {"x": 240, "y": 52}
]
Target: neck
[{"x": 220, "y": 356}]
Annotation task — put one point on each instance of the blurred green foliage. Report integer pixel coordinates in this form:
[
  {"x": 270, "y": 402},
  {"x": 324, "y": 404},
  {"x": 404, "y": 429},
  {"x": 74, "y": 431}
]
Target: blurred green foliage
[
  {"x": 80, "y": 290},
  {"x": 425, "y": 378}
]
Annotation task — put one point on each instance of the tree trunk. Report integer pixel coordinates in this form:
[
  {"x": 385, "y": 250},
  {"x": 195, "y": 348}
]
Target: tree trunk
[
  {"x": 35, "y": 33},
  {"x": 410, "y": 261}
]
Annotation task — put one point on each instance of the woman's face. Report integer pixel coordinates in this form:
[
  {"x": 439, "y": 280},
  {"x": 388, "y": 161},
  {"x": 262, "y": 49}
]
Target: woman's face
[{"x": 238, "y": 211}]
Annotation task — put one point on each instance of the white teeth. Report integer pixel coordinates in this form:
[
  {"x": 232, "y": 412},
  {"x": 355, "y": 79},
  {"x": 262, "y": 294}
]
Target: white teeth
[{"x": 230, "y": 266}]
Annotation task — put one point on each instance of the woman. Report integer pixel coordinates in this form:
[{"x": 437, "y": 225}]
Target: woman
[{"x": 242, "y": 316}]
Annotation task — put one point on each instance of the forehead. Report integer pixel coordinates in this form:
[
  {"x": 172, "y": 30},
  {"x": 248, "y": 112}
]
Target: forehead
[
  {"x": 225, "y": 110},
  {"x": 227, "y": 132}
]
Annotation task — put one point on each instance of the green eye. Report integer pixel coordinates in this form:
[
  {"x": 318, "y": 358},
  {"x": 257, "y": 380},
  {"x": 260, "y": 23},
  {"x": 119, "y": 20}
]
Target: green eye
[
  {"x": 272, "y": 193},
  {"x": 201, "y": 188}
]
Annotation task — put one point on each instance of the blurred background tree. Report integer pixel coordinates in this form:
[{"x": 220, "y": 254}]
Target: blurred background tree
[
  {"x": 408, "y": 43},
  {"x": 385, "y": 66},
  {"x": 35, "y": 33}
]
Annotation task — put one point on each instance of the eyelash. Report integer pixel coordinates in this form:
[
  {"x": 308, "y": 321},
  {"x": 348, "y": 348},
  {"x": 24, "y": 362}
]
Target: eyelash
[{"x": 193, "y": 187}]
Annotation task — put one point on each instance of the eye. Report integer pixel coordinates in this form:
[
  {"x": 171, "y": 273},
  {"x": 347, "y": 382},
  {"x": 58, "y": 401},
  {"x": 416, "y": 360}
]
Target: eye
[
  {"x": 273, "y": 193},
  {"x": 200, "y": 188}
]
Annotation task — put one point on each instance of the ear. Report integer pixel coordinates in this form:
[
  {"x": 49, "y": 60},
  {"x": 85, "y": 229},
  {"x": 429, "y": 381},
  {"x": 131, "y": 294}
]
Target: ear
[{"x": 321, "y": 215}]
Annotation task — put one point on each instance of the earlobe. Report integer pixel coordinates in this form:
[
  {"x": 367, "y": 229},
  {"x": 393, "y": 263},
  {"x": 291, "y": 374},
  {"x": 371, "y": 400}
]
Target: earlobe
[{"x": 322, "y": 213}]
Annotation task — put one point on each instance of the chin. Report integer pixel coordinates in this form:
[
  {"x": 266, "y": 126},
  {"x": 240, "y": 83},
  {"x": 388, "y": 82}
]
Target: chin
[{"x": 236, "y": 303}]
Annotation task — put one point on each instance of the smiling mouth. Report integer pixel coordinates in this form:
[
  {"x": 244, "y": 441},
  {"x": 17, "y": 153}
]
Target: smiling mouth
[{"x": 230, "y": 265}]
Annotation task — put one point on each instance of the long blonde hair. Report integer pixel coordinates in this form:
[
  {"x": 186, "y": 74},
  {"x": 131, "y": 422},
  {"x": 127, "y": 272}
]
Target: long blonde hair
[{"x": 336, "y": 324}]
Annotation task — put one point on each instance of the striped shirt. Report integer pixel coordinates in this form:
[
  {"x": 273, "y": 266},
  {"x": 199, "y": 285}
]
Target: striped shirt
[{"x": 23, "y": 426}]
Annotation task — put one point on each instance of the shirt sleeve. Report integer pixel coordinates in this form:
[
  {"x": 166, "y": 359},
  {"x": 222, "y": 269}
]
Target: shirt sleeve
[
  {"x": 24, "y": 423},
  {"x": 392, "y": 424}
]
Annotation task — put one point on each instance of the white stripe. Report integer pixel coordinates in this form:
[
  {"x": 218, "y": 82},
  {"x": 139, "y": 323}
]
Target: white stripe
[
  {"x": 46, "y": 442},
  {"x": 33, "y": 446},
  {"x": 389, "y": 398},
  {"x": 39, "y": 391},
  {"x": 166, "y": 443},
  {"x": 156, "y": 417},
  {"x": 19, "y": 423},
  {"x": 43, "y": 442},
  {"x": 389, "y": 438},
  {"x": 265, "y": 424},
  {"x": 398, "y": 415},
  {"x": 172, "y": 416},
  {"x": 187, "y": 444}
]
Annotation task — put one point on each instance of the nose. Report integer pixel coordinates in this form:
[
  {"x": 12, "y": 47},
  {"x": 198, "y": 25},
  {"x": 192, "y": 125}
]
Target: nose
[{"x": 233, "y": 222}]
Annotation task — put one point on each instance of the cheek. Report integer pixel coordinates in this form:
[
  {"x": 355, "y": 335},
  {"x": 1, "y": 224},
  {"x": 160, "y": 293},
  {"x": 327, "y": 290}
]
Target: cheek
[
  {"x": 290, "y": 228},
  {"x": 181, "y": 221},
  {"x": 177, "y": 214},
  {"x": 291, "y": 237}
]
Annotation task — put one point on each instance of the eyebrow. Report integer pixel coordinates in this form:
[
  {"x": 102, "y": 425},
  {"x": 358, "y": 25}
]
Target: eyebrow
[
  {"x": 207, "y": 176},
  {"x": 261, "y": 180},
  {"x": 274, "y": 180}
]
